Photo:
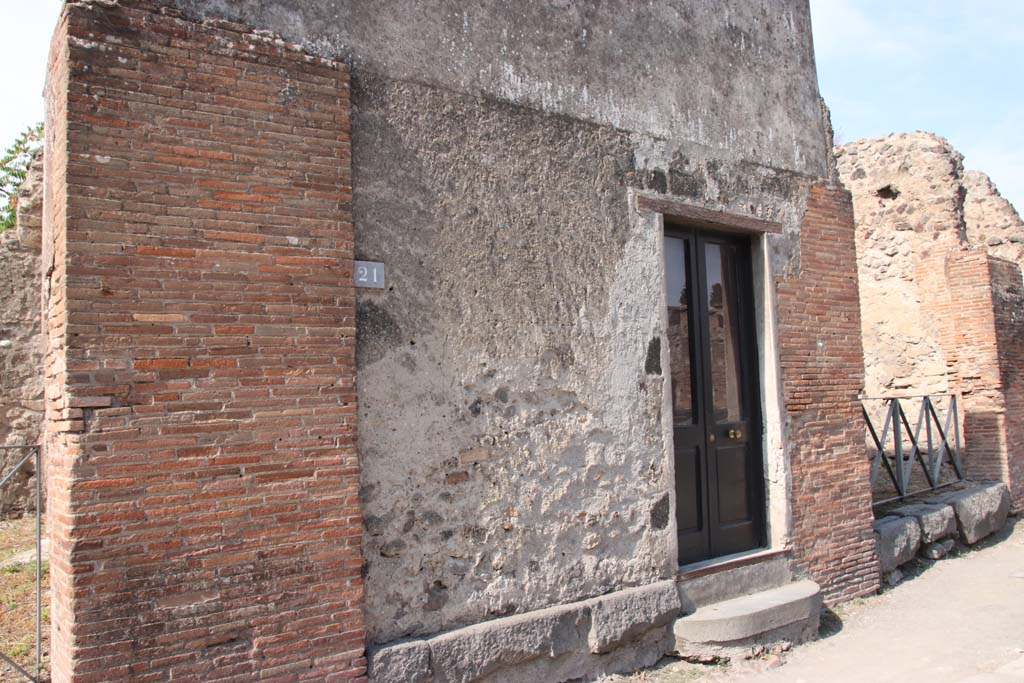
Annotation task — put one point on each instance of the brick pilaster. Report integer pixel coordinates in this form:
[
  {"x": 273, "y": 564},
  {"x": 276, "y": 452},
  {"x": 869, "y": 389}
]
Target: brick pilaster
[
  {"x": 823, "y": 373},
  {"x": 200, "y": 374}
]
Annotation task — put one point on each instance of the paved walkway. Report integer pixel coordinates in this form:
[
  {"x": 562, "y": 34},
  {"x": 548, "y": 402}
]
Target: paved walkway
[{"x": 957, "y": 620}]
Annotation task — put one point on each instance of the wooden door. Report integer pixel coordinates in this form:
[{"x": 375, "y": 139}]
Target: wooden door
[{"x": 715, "y": 394}]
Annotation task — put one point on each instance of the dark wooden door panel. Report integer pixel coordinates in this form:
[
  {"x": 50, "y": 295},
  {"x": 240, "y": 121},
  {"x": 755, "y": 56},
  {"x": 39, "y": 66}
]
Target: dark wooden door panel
[{"x": 715, "y": 395}]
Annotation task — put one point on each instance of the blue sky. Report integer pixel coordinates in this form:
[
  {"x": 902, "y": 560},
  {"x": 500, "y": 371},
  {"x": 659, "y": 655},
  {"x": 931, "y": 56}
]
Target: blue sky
[
  {"x": 955, "y": 68},
  {"x": 952, "y": 67}
]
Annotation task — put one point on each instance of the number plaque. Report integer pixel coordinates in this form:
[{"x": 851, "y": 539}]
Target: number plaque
[{"x": 369, "y": 274}]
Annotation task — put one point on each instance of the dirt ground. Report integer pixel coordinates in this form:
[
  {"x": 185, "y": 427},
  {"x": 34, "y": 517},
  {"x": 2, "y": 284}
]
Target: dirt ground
[
  {"x": 957, "y": 620},
  {"x": 17, "y": 599}
]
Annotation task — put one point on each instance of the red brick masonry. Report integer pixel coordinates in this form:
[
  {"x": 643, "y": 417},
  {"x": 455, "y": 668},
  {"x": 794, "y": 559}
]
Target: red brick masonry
[
  {"x": 201, "y": 408},
  {"x": 822, "y": 375},
  {"x": 979, "y": 302}
]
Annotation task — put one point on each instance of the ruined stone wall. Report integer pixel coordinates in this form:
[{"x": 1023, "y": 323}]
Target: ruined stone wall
[
  {"x": 21, "y": 342},
  {"x": 991, "y": 221},
  {"x": 939, "y": 254},
  {"x": 914, "y": 203},
  {"x": 908, "y": 205},
  {"x": 200, "y": 418}
]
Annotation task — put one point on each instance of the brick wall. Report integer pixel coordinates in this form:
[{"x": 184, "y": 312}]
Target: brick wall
[
  {"x": 1008, "y": 307},
  {"x": 823, "y": 373},
  {"x": 961, "y": 300},
  {"x": 981, "y": 306},
  {"x": 200, "y": 371}
]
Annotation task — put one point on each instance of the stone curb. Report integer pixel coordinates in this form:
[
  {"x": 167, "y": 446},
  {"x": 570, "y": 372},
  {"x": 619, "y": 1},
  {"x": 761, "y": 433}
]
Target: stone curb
[
  {"x": 928, "y": 528},
  {"x": 574, "y": 639}
]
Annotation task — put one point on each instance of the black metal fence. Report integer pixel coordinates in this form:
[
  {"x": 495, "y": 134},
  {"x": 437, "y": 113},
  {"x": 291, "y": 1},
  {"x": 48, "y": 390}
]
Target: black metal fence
[
  {"x": 33, "y": 455},
  {"x": 933, "y": 443}
]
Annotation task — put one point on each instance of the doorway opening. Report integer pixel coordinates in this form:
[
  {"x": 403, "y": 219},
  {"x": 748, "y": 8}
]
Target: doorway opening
[{"x": 715, "y": 394}]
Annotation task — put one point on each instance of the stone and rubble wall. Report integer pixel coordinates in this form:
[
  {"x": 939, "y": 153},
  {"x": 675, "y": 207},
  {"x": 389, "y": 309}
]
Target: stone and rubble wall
[
  {"x": 991, "y": 221},
  {"x": 514, "y": 455},
  {"x": 200, "y": 402},
  {"x": 914, "y": 203},
  {"x": 908, "y": 205},
  {"x": 21, "y": 343},
  {"x": 939, "y": 256}
]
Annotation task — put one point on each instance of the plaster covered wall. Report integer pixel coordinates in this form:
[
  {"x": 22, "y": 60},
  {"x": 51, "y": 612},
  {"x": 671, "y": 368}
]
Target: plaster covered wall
[
  {"x": 511, "y": 373},
  {"x": 736, "y": 79},
  {"x": 510, "y": 428}
]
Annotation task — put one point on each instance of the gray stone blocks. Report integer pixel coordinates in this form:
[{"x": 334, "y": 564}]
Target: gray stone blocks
[
  {"x": 468, "y": 654},
  {"x": 567, "y": 642},
  {"x": 936, "y": 521},
  {"x": 980, "y": 511},
  {"x": 929, "y": 528},
  {"x": 898, "y": 540},
  {"x": 408, "y": 662},
  {"x": 624, "y": 615}
]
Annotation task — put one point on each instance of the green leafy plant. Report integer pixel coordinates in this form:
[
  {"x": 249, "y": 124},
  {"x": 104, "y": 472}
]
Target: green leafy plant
[{"x": 13, "y": 167}]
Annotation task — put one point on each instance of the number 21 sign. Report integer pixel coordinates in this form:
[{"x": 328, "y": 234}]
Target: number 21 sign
[{"x": 369, "y": 274}]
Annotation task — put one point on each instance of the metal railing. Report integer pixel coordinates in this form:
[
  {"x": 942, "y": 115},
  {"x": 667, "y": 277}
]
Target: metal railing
[
  {"x": 33, "y": 455},
  {"x": 937, "y": 450}
]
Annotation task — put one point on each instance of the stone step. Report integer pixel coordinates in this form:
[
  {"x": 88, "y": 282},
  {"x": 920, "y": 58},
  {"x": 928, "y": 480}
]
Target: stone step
[
  {"x": 737, "y": 627},
  {"x": 706, "y": 583}
]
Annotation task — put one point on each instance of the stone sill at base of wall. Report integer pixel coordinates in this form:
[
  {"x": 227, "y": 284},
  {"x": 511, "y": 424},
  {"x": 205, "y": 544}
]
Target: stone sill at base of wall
[{"x": 614, "y": 633}]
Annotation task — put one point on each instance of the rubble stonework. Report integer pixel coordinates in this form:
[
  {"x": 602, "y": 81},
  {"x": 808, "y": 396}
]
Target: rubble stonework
[
  {"x": 992, "y": 222},
  {"x": 913, "y": 201},
  {"x": 21, "y": 342},
  {"x": 908, "y": 205},
  {"x": 942, "y": 308}
]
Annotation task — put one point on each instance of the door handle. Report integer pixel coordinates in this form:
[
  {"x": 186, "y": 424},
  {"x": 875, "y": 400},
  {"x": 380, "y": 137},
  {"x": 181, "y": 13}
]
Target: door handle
[{"x": 711, "y": 438}]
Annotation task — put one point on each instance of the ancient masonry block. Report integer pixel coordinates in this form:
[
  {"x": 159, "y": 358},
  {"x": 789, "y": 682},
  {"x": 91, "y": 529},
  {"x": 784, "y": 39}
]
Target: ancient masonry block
[
  {"x": 200, "y": 402},
  {"x": 898, "y": 541},
  {"x": 567, "y": 642},
  {"x": 970, "y": 514},
  {"x": 936, "y": 521},
  {"x": 980, "y": 511}
]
